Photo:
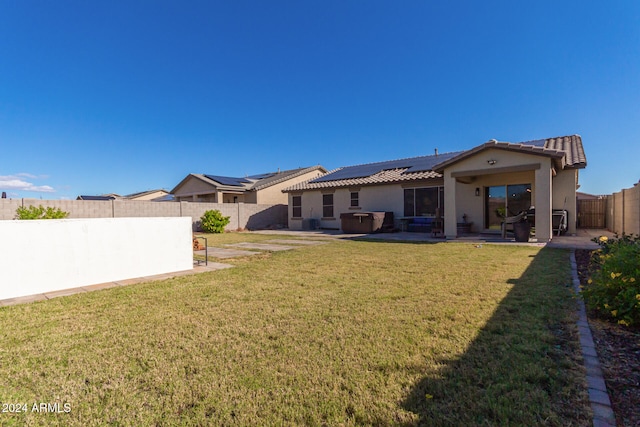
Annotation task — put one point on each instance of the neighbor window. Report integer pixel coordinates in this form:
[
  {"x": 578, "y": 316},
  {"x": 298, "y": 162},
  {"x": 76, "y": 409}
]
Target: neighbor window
[
  {"x": 423, "y": 201},
  {"x": 296, "y": 202},
  {"x": 327, "y": 205},
  {"x": 355, "y": 199}
]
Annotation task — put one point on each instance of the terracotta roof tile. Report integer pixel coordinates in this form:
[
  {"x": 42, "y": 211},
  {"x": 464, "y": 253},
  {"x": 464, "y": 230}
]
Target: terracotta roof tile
[{"x": 382, "y": 177}]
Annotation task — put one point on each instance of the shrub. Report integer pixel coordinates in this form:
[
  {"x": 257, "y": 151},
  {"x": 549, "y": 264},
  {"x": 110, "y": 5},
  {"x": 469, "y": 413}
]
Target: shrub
[
  {"x": 213, "y": 222},
  {"x": 613, "y": 289},
  {"x": 32, "y": 212}
]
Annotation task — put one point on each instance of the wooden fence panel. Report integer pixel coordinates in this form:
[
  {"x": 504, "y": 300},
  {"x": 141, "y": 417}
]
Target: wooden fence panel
[{"x": 591, "y": 213}]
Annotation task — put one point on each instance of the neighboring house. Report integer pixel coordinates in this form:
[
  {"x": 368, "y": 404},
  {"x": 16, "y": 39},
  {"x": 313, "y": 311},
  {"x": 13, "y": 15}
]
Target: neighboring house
[
  {"x": 150, "y": 195},
  {"x": 265, "y": 188},
  {"x": 476, "y": 185},
  {"x": 104, "y": 197},
  {"x": 586, "y": 196},
  {"x": 153, "y": 195}
]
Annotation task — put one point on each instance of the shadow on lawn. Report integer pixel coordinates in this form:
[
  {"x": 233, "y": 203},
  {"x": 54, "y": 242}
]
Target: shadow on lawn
[{"x": 521, "y": 369}]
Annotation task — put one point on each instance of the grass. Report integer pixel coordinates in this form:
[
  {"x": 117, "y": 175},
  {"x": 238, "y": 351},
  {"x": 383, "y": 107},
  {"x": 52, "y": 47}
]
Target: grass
[{"x": 347, "y": 333}]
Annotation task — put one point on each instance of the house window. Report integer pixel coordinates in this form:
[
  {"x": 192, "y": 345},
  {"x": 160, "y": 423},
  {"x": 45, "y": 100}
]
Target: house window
[
  {"x": 423, "y": 201},
  {"x": 327, "y": 205},
  {"x": 296, "y": 202},
  {"x": 355, "y": 202}
]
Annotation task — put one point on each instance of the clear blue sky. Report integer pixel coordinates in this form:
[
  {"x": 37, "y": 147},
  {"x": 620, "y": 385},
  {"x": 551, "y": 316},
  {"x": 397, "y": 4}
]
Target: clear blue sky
[{"x": 125, "y": 96}]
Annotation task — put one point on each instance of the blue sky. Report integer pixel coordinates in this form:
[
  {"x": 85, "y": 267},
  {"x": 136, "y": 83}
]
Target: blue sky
[{"x": 118, "y": 97}]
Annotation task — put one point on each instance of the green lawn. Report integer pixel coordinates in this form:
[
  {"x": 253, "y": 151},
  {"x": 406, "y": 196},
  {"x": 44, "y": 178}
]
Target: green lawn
[{"x": 347, "y": 333}]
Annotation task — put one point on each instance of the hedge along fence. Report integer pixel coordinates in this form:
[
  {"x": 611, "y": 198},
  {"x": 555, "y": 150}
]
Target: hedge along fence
[
  {"x": 81, "y": 252},
  {"x": 241, "y": 215}
]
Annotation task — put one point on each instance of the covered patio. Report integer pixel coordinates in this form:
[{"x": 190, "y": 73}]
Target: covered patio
[{"x": 495, "y": 180}]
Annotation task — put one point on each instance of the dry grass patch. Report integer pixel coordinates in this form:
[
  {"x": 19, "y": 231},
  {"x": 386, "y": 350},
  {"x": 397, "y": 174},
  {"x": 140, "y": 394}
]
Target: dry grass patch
[{"x": 347, "y": 333}]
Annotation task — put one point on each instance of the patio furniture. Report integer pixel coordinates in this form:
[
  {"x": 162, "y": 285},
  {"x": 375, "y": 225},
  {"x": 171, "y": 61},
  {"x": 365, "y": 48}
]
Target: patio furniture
[
  {"x": 510, "y": 220},
  {"x": 366, "y": 222},
  {"x": 420, "y": 224},
  {"x": 559, "y": 220}
]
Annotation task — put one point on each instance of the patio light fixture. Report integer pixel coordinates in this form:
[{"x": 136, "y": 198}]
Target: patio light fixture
[
  {"x": 492, "y": 162},
  {"x": 477, "y": 191}
]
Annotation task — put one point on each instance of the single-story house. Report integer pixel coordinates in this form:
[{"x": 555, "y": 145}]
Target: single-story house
[
  {"x": 476, "y": 187},
  {"x": 264, "y": 188}
]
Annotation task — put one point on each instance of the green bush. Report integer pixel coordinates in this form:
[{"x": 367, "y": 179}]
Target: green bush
[
  {"x": 32, "y": 212},
  {"x": 613, "y": 289},
  {"x": 213, "y": 222}
]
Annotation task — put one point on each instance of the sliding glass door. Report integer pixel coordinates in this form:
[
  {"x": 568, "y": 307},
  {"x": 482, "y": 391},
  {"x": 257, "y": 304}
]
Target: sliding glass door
[{"x": 505, "y": 200}]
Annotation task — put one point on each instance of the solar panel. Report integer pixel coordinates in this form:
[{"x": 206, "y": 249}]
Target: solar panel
[
  {"x": 227, "y": 180},
  {"x": 536, "y": 143},
  {"x": 262, "y": 176},
  {"x": 427, "y": 163},
  {"x": 414, "y": 164}
]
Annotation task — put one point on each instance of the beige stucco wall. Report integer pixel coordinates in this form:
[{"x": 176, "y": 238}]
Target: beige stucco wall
[
  {"x": 564, "y": 188},
  {"x": 378, "y": 198},
  {"x": 273, "y": 195}
]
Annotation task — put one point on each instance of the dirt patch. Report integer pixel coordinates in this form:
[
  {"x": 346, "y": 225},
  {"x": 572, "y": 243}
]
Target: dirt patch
[{"x": 619, "y": 353}]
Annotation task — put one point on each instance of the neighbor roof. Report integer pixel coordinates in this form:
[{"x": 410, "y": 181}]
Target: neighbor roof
[
  {"x": 252, "y": 182},
  {"x": 100, "y": 198},
  {"x": 143, "y": 193}
]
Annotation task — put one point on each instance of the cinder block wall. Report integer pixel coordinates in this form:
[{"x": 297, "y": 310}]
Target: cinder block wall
[
  {"x": 241, "y": 215},
  {"x": 8, "y": 208},
  {"x": 623, "y": 211},
  {"x": 196, "y": 210},
  {"x": 129, "y": 209}
]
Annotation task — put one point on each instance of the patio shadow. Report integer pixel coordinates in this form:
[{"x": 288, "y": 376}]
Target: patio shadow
[{"x": 523, "y": 368}]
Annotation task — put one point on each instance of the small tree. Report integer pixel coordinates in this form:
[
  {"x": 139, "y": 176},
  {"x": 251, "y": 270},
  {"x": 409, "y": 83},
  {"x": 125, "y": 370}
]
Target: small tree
[
  {"x": 32, "y": 212},
  {"x": 213, "y": 222}
]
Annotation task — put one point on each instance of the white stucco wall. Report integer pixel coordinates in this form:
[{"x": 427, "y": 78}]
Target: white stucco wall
[{"x": 48, "y": 255}]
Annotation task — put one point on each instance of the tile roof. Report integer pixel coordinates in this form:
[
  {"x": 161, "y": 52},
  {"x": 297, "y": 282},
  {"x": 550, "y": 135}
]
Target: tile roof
[
  {"x": 567, "y": 151},
  {"x": 572, "y": 146},
  {"x": 382, "y": 177}
]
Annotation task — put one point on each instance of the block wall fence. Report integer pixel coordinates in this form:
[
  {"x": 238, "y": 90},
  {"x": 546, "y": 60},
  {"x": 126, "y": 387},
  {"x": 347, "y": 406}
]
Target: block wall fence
[
  {"x": 241, "y": 215},
  {"x": 623, "y": 211}
]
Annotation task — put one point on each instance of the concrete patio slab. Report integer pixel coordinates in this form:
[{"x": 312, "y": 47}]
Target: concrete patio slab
[
  {"x": 223, "y": 253},
  {"x": 261, "y": 246}
]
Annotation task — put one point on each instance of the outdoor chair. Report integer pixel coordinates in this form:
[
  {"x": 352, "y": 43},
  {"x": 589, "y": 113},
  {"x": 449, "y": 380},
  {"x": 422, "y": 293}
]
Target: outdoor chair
[{"x": 510, "y": 220}]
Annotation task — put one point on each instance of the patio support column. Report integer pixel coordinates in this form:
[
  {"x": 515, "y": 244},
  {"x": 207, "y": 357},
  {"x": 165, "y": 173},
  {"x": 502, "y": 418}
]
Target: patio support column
[
  {"x": 543, "y": 199},
  {"x": 450, "y": 226}
]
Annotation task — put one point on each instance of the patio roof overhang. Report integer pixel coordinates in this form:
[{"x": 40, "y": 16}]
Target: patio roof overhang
[
  {"x": 557, "y": 156},
  {"x": 470, "y": 176}
]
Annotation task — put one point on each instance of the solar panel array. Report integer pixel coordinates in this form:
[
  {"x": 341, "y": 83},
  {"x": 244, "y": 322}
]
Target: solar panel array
[
  {"x": 262, "y": 176},
  {"x": 414, "y": 164},
  {"x": 227, "y": 180}
]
